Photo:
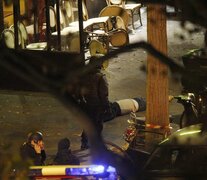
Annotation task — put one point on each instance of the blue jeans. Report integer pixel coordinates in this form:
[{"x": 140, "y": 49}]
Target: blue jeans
[{"x": 115, "y": 110}]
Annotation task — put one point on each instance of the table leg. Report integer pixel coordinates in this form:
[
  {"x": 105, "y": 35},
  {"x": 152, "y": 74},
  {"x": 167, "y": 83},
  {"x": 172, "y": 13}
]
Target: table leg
[
  {"x": 132, "y": 14},
  {"x": 140, "y": 19}
]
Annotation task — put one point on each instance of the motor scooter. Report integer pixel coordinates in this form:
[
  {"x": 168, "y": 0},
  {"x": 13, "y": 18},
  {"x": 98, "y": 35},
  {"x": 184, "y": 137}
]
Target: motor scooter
[
  {"x": 194, "y": 96},
  {"x": 190, "y": 113}
]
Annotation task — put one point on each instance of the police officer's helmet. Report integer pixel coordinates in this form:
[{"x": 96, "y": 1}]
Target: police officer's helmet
[{"x": 35, "y": 136}]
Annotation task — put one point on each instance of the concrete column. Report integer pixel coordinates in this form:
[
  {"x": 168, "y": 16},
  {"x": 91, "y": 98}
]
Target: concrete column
[{"x": 157, "y": 75}]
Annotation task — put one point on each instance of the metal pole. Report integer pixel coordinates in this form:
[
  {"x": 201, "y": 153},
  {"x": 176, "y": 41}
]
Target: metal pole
[
  {"x": 35, "y": 13},
  {"x": 80, "y": 17},
  {"x": 47, "y": 24},
  {"x": 16, "y": 9},
  {"x": 1, "y": 17},
  {"x": 58, "y": 24}
]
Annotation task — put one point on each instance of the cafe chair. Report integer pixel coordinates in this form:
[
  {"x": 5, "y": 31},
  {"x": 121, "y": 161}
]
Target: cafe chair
[
  {"x": 114, "y": 11},
  {"x": 132, "y": 9},
  {"x": 98, "y": 49},
  {"x": 7, "y": 38},
  {"x": 71, "y": 29}
]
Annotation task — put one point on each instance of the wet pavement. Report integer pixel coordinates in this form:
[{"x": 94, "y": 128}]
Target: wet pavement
[{"x": 22, "y": 112}]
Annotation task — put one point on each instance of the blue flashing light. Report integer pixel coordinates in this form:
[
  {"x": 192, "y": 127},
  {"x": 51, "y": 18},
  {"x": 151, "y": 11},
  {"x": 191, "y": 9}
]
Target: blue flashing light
[
  {"x": 111, "y": 169},
  {"x": 90, "y": 170},
  {"x": 98, "y": 169}
]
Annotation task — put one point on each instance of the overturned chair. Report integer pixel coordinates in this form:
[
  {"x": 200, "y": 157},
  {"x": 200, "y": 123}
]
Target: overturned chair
[
  {"x": 133, "y": 9},
  {"x": 117, "y": 36}
]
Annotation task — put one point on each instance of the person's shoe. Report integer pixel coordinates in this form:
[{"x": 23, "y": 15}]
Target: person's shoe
[
  {"x": 141, "y": 102},
  {"x": 84, "y": 146}
]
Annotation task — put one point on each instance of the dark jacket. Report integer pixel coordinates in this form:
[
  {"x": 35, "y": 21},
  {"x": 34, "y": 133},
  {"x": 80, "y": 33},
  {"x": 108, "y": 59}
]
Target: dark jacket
[
  {"x": 28, "y": 152},
  {"x": 64, "y": 155},
  {"x": 94, "y": 93}
]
